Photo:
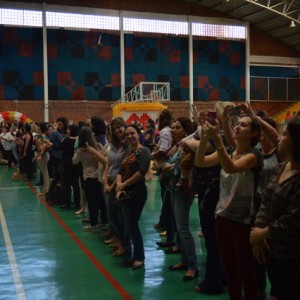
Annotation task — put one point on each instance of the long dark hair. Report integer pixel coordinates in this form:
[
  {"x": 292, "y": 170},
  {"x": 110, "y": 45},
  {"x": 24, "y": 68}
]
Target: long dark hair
[
  {"x": 255, "y": 127},
  {"x": 27, "y": 128},
  {"x": 293, "y": 128},
  {"x": 43, "y": 127},
  {"x": 98, "y": 125},
  {"x": 151, "y": 123},
  {"x": 85, "y": 136},
  {"x": 65, "y": 123},
  {"x": 74, "y": 129},
  {"x": 186, "y": 124}
]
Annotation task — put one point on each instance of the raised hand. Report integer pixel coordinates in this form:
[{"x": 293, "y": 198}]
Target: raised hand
[
  {"x": 210, "y": 131},
  {"x": 247, "y": 109}
]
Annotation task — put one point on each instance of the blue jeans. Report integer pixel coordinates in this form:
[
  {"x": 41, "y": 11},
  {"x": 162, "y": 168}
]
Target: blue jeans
[
  {"x": 132, "y": 214},
  {"x": 181, "y": 204},
  {"x": 116, "y": 219},
  {"x": 95, "y": 199},
  {"x": 214, "y": 278},
  {"x": 168, "y": 216}
]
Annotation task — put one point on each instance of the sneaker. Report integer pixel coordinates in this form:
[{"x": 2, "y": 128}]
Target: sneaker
[{"x": 91, "y": 228}]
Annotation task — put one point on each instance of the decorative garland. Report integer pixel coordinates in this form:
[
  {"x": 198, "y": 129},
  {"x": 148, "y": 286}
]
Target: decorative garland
[
  {"x": 14, "y": 116},
  {"x": 137, "y": 111}
]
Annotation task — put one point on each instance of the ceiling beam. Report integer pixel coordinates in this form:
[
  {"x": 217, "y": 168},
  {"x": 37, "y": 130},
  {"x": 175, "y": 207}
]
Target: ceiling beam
[{"x": 284, "y": 8}]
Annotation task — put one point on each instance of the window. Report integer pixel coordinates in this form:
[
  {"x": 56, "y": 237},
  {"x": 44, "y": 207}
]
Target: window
[
  {"x": 219, "y": 31},
  {"x": 20, "y": 17},
  {"x": 80, "y": 21},
  {"x": 155, "y": 26}
]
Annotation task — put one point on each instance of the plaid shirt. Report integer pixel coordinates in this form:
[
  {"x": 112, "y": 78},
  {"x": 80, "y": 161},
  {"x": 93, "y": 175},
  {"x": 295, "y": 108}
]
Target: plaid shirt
[{"x": 280, "y": 210}]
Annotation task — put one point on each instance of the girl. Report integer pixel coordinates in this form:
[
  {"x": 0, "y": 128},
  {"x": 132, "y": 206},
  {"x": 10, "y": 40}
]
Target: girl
[
  {"x": 92, "y": 186},
  {"x": 275, "y": 237},
  {"x": 131, "y": 176},
  {"x": 235, "y": 208}
]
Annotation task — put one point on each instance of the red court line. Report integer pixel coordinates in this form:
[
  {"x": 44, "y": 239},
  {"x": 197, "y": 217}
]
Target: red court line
[{"x": 83, "y": 248}]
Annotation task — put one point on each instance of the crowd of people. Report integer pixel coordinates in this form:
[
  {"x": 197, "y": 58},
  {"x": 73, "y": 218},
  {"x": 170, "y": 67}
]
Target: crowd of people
[{"x": 243, "y": 171}]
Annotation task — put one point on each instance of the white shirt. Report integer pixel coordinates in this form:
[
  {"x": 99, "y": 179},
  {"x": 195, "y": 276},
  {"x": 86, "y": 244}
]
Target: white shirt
[{"x": 7, "y": 140}]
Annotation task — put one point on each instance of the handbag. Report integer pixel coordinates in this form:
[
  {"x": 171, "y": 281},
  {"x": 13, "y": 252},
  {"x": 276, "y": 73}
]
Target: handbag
[{"x": 125, "y": 199}]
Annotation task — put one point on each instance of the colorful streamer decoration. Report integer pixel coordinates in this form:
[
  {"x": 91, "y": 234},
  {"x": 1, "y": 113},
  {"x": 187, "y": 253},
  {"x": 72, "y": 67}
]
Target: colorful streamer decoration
[{"x": 14, "y": 116}]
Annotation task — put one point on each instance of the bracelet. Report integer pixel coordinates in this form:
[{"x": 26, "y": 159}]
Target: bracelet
[{"x": 220, "y": 148}]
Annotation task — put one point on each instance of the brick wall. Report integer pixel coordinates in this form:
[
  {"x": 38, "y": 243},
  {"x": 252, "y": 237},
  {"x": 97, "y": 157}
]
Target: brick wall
[
  {"x": 264, "y": 44},
  {"x": 78, "y": 110}
]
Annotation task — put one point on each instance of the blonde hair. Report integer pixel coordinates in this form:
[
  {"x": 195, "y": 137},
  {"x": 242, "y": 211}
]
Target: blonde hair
[
  {"x": 34, "y": 127},
  {"x": 220, "y": 106}
]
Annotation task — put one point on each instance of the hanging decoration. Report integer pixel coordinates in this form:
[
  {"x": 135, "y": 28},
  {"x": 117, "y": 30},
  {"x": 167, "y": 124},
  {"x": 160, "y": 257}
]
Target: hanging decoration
[{"x": 14, "y": 116}]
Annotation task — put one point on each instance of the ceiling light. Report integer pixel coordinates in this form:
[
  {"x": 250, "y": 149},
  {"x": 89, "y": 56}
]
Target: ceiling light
[{"x": 293, "y": 24}]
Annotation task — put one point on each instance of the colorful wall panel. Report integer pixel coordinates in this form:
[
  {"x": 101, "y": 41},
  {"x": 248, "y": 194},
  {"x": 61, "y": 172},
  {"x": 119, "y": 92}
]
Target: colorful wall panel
[
  {"x": 21, "y": 61},
  {"x": 219, "y": 70},
  {"x": 83, "y": 65},
  {"x": 158, "y": 59}
]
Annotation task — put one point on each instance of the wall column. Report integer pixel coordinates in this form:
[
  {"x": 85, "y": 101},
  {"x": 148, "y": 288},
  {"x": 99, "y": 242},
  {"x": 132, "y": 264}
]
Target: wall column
[{"x": 45, "y": 67}]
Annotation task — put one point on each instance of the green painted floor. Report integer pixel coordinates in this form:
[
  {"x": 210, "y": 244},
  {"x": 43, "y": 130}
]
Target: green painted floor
[{"x": 45, "y": 254}]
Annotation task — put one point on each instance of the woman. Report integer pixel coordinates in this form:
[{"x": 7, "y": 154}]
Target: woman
[
  {"x": 149, "y": 134},
  {"x": 181, "y": 202},
  {"x": 70, "y": 172},
  {"x": 19, "y": 146},
  {"x": 149, "y": 142},
  {"x": 98, "y": 128},
  {"x": 92, "y": 186},
  {"x": 275, "y": 237},
  {"x": 235, "y": 208},
  {"x": 131, "y": 177},
  {"x": 206, "y": 183},
  {"x": 42, "y": 155},
  {"x": 8, "y": 143},
  {"x": 159, "y": 154},
  {"x": 271, "y": 158},
  {"x": 118, "y": 150},
  {"x": 83, "y": 207},
  {"x": 27, "y": 151},
  {"x": 55, "y": 138},
  {"x": 268, "y": 143}
]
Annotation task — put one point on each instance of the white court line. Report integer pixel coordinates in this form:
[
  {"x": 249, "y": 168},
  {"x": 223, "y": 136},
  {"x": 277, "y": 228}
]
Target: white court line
[
  {"x": 11, "y": 257},
  {"x": 15, "y": 188}
]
